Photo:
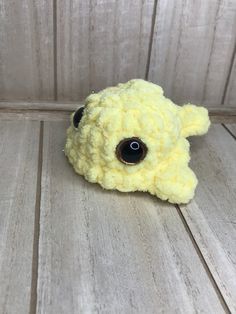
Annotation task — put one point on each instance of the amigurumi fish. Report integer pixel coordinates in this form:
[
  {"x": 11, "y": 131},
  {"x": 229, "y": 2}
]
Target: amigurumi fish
[{"x": 132, "y": 138}]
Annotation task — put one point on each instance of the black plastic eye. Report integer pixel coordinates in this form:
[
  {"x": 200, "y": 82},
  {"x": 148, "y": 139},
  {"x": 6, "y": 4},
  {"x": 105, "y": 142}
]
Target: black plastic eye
[
  {"x": 131, "y": 151},
  {"x": 77, "y": 117}
]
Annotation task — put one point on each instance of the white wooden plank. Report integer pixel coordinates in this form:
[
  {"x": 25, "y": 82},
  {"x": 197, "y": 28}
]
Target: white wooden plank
[
  {"x": 109, "y": 252},
  {"x": 52, "y": 106},
  {"x": 35, "y": 115},
  {"x": 26, "y": 49},
  {"x": 19, "y": 144},
  {"x": 211, "y": 216},
  {"x": 101, "y": 43},
  {"x": 192, "y": 49}
]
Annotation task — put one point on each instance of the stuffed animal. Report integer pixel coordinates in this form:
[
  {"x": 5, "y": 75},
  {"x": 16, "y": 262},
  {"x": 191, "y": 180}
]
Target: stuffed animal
[{"x": 132, "y": 138}]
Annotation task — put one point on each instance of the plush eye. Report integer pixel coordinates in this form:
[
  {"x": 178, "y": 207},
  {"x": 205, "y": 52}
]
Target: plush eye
[
  {"x": 77, "y": 117},
  {"x": 131, "y": 151}
]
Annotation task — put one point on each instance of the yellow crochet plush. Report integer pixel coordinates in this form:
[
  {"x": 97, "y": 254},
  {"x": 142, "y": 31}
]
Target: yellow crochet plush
[{"x": 131, "y": 137}]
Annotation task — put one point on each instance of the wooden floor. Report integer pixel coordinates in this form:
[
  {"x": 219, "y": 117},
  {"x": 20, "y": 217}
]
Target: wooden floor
[{"x": 68, "y": 246}]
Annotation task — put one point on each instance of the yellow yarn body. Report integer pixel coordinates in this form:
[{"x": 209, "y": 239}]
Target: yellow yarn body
[{"x": 137, "y": 109}]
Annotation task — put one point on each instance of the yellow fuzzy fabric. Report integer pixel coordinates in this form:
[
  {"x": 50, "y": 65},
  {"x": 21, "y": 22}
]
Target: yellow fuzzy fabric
[{"x": 137, "y": 109}]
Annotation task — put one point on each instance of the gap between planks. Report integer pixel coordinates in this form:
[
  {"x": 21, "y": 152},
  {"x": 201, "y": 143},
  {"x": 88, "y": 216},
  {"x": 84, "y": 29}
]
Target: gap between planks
[
  {"x": 154, "y": 14},
  {"x": 229, "y": 131},
  {"x": 202, "y": 259},
  {"x": 223, "y": 283},
  {"x": 35, "y": 259},
  {"x": 55, "y": 49}
]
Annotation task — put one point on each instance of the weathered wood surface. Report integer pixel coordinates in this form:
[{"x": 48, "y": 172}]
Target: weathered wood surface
[
  {"x": 192, "y": 49},
  {"x": 37, "y": 111},
  {"x": 51, "y": 106},
  {"x": 100, "y": 43},
  {"x": 34, "y": 115},
  {"x": 57, "y": 111},
  {"x": 64, "y": 50},
  {"x": 110, "y": 252},
  {"x": 26, "y": 49},
  {"x": 19, "y": 143},
  {"x": 211, "y": 216},
  {"x": 217, "y": 110}
]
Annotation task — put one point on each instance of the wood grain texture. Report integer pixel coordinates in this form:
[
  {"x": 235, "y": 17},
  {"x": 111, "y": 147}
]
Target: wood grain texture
[
  {"x": 192, "y": 49},
  {"x": 101, "y": 43},
  {"x": 211, "y": 216},
  {"x": 18, "y": 171},
  {"x": 49, "y": 106},
  {"x": 35, "y": 116},
  {"x": 26, "y": 49},
  {"x": 109, "y": 252}
]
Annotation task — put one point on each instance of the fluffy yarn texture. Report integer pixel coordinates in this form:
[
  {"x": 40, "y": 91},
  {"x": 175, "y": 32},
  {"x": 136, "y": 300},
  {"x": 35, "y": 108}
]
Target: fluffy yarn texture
[{"x": 137, "y": 109}]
